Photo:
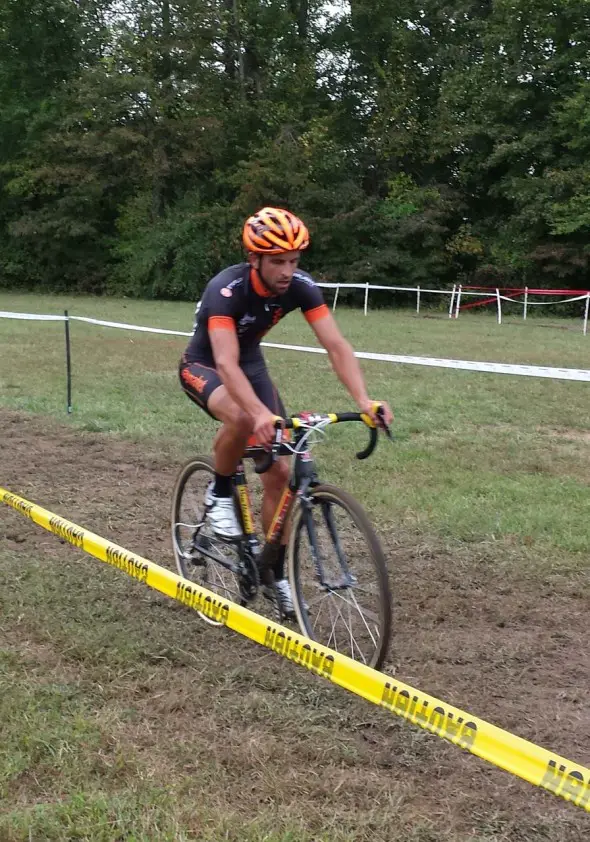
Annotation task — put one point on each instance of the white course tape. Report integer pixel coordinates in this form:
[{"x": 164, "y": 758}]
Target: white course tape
[
  {"x": 125, "y": 326},
  {"x": 5, "y": 314},
  {"x": 579, "y": 374},
  {"x": 326, "y": 285},
  {"x": 561, "y": 301},
  {"x": 467, "y": 365}
]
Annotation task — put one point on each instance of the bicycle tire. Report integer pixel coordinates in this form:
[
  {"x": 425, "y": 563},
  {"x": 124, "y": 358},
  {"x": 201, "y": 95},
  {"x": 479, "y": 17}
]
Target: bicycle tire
[
  {"x": 206, "y": 465},
  {"x": 330, "y": 494}
]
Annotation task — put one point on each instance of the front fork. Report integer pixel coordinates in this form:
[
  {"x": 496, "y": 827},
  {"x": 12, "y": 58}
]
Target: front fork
[{"x": 307, "y": 503}]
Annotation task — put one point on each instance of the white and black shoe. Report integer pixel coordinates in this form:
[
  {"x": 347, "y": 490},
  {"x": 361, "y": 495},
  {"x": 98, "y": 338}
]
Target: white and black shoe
[
  {"x": 280, "y": 594},
  {"x": 221, "y": 515}
]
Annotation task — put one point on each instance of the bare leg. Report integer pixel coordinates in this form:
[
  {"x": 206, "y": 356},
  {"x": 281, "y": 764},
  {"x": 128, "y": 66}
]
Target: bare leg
[
  {"x": 229, "y": 445},
  {"x": 232, "y": 437},
  {"x": 274, "y": 482}
]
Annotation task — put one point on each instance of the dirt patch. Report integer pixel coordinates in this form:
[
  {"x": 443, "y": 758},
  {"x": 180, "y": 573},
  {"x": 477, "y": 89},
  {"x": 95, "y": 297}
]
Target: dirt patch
[
  {"x": 509, "y": 648},
  {"x": 568, "y": 435}
]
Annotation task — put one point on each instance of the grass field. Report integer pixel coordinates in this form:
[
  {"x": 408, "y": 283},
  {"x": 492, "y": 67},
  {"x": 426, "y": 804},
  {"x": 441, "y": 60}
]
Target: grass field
[
  {"x": 478, "y": 457},
  {"x": 125, "y": 719}
]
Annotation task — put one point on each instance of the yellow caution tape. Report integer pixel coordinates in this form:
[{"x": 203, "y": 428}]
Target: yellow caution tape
[{"x": 540, "y": 767}]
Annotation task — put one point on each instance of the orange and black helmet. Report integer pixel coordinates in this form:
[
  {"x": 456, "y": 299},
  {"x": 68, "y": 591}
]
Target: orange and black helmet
[{"x": 274, "y": 231}]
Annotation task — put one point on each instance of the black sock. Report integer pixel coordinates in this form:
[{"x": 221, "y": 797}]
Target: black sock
[
  {"x": 279, "y": 565},
  {"x": 222, "y": 486}
]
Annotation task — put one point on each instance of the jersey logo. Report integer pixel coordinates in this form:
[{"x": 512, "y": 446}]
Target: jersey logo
[
  {"x": 227, "y": 293},
  {"x": 305, "y": 278},
  {"x": 197, "y": 311},
  {"x": 193, "y": 380},
  {"x": 244, "y": 323},
  {"x": 277, "y": 316}
]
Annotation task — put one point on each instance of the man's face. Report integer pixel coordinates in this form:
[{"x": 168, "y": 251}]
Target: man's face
[{"x": 276, "y": 270}]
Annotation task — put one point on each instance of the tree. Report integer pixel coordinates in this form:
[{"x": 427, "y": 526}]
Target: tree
[{"x": 423, "y": 142}]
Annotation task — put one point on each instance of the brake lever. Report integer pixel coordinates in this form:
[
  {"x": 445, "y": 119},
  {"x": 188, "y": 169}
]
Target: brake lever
[
  {"x": 382, "y": 425},
  {"x": 271, "y": 456},
  {"x": 388, "y": 433}
]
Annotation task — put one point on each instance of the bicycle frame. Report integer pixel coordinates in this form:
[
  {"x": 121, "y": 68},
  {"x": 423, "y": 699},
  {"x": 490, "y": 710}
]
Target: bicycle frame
[{"x": 303, "y": 477}]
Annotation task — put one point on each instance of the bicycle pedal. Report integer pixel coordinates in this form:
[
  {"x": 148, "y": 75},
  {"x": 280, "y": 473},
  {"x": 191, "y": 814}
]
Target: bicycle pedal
[{"x": 270, "y": 596}]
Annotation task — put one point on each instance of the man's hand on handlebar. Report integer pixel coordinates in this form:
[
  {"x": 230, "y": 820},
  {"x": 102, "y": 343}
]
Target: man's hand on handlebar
[
  {"x": 376, "y": 419},
  {"x": 265, "y": 427},
  {"x": 379, "y": 412}
]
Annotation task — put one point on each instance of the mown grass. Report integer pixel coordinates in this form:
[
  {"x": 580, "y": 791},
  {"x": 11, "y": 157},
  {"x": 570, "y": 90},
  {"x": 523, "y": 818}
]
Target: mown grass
[{"x": 479, "y": 458}]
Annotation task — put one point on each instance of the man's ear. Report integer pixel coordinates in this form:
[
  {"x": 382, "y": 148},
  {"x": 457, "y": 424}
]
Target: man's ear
[{"x": 254, "y": 259}]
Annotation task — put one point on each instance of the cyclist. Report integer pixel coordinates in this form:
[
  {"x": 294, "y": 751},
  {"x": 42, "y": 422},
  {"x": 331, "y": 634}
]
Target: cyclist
[{"x": 223, "y": 371}]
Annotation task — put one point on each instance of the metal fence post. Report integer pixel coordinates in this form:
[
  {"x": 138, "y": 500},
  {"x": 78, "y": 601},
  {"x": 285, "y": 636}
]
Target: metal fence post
[
  {"x": 335, "y": 297},
  {"x": 458, "y": 301},
  {"x": 68, "y": 363}
]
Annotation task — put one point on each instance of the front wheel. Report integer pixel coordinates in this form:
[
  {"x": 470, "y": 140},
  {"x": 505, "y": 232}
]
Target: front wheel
[{"x": 339, "y": 576}]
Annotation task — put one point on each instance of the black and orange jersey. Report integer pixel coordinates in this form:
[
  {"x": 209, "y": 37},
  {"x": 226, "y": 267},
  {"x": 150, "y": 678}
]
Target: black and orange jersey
[{"x": 236, "y": 299}]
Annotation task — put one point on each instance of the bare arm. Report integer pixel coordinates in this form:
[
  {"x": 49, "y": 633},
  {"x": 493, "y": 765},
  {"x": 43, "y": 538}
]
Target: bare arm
[
  {"x": 226, "y": 353},
  {"x": 346, "y": 365},
  {"x": 342, "y": 359}
]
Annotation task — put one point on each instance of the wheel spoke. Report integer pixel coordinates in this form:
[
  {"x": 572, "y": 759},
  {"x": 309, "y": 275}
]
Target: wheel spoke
[
  {"x": 319, "y": 598},
  {"x": 322, "y": 606},
  {"x": 351, "y": 615},
  {"x": 214, "y": 563},
  {"x": 362, "y": 616},
  {"x": 333, "y": 629},
  {"x": 354, "y": 604},
  {"x": 348, "y": 626}
]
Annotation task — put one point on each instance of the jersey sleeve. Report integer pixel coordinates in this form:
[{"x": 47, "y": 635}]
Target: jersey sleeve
[
  {"x": 311, "y": 300},
  {"x": 221, "y": 310}
]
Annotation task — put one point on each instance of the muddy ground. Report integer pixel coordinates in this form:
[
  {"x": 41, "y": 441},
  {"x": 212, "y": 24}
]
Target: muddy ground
[{"x": 511, "y": 648}]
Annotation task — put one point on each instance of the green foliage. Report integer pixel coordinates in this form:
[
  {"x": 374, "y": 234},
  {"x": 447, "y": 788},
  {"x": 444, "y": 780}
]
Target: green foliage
[
  {"x": 172, "y": 256},
  {"x": 421, "y": 142}
]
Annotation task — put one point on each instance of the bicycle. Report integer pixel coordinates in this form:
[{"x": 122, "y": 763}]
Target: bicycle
[{"x": 336, "y": 566}]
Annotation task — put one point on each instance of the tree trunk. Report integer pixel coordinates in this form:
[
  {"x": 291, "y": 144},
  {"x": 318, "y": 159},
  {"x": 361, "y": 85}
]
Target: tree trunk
[
  {"x": 160, "y": 187},
  {"x": 300, "y": 11},
  {"x": 233, "y": 59}
]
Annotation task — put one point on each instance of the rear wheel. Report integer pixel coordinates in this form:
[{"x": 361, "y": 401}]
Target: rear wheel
[
  {"x": 339, "y": 576},
  {"x": 200, "y": 556}
]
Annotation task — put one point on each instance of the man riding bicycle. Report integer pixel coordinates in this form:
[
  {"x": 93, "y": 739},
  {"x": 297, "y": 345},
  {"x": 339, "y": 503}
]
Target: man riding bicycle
[{"x": 223, "y": 370}]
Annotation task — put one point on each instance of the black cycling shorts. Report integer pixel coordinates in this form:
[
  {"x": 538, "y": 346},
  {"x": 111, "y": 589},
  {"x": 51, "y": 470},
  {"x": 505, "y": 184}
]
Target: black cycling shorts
[{"x": 199, "y": 381}]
